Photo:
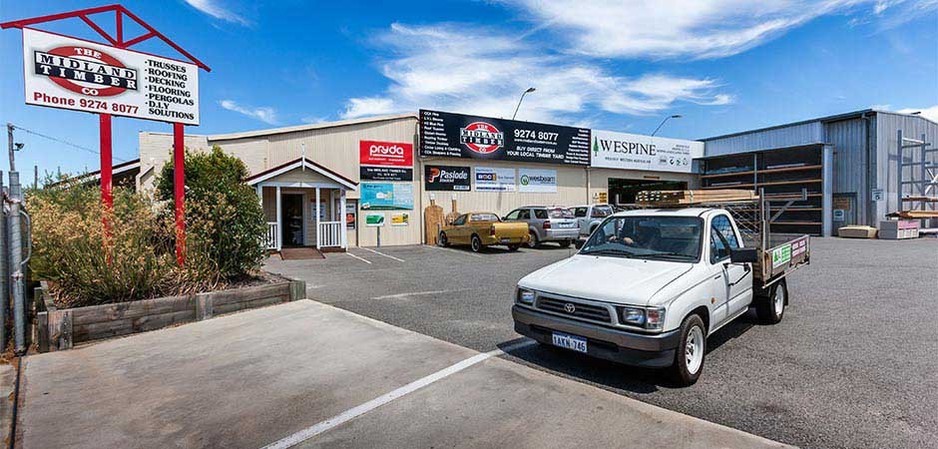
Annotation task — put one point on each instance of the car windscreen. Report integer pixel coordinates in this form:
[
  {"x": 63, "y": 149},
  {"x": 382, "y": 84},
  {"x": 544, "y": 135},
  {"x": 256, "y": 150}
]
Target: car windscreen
[
  {"x": 560, "y": 213},
  {"x": 647, "y": 237}
]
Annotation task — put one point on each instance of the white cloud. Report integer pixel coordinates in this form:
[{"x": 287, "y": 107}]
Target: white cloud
[
  {"x": 265, "y": 114},
  {"x": 484, "y": 72},
  {"x": 360, "y": 107},
  {"x": 688, "y": 28},
  {"x": 930, "y": 113},
  {"x": 212, "y": 8}
]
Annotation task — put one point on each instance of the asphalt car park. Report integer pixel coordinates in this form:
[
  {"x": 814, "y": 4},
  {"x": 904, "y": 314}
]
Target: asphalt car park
[{"x": 851, "y": 365}]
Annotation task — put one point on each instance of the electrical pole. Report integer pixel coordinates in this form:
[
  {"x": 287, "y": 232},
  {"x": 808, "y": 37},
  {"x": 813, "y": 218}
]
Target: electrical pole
[{"x": 10, "y": 143}]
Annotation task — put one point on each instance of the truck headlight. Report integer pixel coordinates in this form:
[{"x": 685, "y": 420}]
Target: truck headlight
[
  {"x": 646, "y": 317},
  {"x": 526, "y": 296}
]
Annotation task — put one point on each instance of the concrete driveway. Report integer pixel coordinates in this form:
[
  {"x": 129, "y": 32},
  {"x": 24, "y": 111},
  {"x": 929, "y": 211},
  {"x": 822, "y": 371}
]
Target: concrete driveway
[{"x": 306, "y": 374}]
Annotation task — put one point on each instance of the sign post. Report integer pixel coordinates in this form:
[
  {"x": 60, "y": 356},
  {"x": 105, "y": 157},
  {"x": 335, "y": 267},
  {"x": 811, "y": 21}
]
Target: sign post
[{"x": 108, "y": 79}]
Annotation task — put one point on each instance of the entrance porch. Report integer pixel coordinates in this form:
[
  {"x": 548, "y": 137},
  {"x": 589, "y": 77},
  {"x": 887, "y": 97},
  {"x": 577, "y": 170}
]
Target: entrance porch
[{"x": 304, "y": 204}]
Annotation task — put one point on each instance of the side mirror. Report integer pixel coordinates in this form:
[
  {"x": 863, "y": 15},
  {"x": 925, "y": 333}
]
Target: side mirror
[
  {"x": 744, "y": 255},
  {"x": 578, "y": 243}
]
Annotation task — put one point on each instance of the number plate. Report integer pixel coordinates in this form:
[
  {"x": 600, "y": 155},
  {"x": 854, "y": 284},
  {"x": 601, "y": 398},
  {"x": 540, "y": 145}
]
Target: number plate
[
  {"x": 569, "y": 341},
  {"x": 566, "y": 225},
  {"x": 505, "y": 240}
]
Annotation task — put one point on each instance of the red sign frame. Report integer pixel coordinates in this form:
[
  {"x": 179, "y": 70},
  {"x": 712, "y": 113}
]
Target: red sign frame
[{"x": 386, "y": 154}]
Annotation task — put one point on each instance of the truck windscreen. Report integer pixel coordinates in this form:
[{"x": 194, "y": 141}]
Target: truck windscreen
[{"x": 647, "y": 237}]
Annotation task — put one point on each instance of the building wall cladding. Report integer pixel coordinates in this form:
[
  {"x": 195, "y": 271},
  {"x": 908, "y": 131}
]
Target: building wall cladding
[
  {"x": 887, "y": 155},
  {"x": 793, "y": 135}
]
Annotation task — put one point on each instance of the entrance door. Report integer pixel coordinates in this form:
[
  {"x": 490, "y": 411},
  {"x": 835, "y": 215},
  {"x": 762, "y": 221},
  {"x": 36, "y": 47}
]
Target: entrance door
[{"x": 294, "y": 226}]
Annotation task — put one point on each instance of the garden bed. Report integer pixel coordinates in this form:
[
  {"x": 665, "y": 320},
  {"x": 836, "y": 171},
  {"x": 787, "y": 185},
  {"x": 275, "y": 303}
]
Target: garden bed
[{"x": 60, "y": 329}]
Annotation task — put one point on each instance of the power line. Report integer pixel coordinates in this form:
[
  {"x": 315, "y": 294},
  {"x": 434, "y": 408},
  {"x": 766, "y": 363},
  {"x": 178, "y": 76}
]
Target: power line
[{"x": 54, "y": 139}]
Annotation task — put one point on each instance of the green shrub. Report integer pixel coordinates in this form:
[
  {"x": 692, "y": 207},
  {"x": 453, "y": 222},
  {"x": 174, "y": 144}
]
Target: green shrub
[
  {"x": 89, "y": 266},
  {"x": 225, "y": 221}
]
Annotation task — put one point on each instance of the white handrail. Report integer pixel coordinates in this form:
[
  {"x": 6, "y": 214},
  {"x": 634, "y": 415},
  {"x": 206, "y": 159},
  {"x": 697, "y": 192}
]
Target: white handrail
[
  {"x": 330, "y": 234},
  {"x": 273, "y": 236}
]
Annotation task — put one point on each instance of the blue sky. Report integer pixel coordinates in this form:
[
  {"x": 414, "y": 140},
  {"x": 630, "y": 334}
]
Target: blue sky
[{"x": 725, "y": 65}]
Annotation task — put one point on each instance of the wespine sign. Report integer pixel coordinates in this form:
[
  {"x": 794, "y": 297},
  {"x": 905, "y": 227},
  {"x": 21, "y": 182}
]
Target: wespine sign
[
  {"x": 444, "y": 134},
  {"x": 638, "y": 152},
  {"x": 447, "y": 178},
  {"x": 68, "y": 73}
]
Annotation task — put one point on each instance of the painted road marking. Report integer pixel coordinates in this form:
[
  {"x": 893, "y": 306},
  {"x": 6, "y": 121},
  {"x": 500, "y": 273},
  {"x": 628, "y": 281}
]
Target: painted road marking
[
  {"x": 432, "y": 292},
  {"x": 355, "y": 412},
  {"x": 382, "y": 254},
  {"x": 456, "y": 251},
  {"x": 359, "y": 258}
]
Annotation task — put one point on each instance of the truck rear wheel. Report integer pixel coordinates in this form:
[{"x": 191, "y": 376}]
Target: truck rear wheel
[
  {"x": 771, "y": 308},
  {"x": 691, "y": 351},
  {"x": 475, "y": 244}
]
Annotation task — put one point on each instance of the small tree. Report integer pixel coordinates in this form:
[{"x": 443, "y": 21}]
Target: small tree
[{"x": 224, "y": 219}]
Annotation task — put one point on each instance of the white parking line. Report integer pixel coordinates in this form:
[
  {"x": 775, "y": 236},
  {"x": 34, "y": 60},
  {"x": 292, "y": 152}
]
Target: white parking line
[
  {"x": 355, "y": 412},
  {"x": 359, "y": 258},
  {"x": 432, "y": 292},
  {"x": 465, "y": 253},
  {"x": 382, "y": 254}
]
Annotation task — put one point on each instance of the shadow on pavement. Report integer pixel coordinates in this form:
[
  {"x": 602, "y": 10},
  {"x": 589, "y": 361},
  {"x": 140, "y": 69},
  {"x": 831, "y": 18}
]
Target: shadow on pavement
[{"x": 612, "y": 375}]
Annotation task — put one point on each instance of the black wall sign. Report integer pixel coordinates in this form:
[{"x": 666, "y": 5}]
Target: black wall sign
[
  {"x": 443, "y": 134},
  {"x": 386, "y": 173},
  {"x": 447, "y": 177}
]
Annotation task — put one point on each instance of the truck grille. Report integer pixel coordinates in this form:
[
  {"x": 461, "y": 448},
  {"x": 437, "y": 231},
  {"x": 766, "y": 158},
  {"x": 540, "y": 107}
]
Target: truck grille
[{"x": 580, "y": 310}]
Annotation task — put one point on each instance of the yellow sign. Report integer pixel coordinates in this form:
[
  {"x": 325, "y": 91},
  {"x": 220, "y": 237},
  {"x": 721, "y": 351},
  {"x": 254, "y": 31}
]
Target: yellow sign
[
  {"x": 601, "y": 197},
  {"x": 400, "y": 219}
]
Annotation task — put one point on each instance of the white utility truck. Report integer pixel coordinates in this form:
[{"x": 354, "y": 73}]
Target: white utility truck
[{"x": 650, "y": 285}]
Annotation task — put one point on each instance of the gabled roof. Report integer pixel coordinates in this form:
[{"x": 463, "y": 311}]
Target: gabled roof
[
  {"x": 301, "y": 163},
  {"x": 311, "y": 126}
]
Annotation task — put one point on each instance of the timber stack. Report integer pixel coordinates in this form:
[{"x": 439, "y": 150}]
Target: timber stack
[{"x": 691, "y": 197}]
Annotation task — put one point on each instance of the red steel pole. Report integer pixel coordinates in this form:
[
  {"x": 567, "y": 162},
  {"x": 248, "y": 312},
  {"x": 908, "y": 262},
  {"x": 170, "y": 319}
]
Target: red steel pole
[
  {"x": 106, "y": 180},
  {"x": 179, "y": 190}
]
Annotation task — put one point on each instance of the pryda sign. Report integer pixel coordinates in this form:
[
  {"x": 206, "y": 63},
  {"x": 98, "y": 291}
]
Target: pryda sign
[{"x": 386, "y": 161}]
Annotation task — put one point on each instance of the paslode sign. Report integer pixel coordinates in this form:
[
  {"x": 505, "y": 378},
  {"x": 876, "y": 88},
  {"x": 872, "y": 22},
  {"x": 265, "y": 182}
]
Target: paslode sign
[
  {"x": 68, "y": 73},
  {"x": 638, "y": 152},
  {"x": 489, "y": 179},
  {"x": 444, "y": 134},
  {"x": 385, "y": 161},
  {"x": 537, "y": 180},
  {"x": 447, "y": 178}
]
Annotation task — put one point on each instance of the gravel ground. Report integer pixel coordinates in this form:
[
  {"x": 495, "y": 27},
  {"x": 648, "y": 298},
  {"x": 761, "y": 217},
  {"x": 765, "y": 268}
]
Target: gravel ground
[{"x": 852, "y": 365}]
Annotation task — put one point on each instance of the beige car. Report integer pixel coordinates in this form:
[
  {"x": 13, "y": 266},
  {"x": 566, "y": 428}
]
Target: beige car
[{"x": 481, "y": 229}]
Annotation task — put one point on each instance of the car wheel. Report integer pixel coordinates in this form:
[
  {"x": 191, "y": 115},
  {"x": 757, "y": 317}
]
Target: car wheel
[
  {"x": 533, "y": 242},
  {"x": 442, "y": 241},
  {"x": 771, "y": 308},
  {"x": 513, "y": 248},
  {"x": 691, "y": 351},
  {"x": 476, "y": 244}
]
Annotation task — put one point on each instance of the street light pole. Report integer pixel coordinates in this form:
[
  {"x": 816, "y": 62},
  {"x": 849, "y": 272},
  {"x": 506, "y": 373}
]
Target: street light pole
[
  {"x": 529, "y": 90},
  {"x": 665, "y": 120}
]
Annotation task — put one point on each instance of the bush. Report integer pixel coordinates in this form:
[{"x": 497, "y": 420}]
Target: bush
[
  {"x": 88, "y": 266},
  {"x": 225, "y": 221}
]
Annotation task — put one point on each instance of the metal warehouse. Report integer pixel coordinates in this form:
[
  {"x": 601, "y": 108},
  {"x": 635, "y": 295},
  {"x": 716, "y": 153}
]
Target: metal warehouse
[
  {"x": 353, "y": 182},
  {"x": 849, "y": 165}
]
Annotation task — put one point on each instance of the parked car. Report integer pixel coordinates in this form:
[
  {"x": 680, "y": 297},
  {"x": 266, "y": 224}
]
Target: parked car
[
  {"x": 649, "y": 286},
  {"x": 546, "y": 224},
  {"x": 481, "y": 229},
  {"x": 590, "y": 216}
]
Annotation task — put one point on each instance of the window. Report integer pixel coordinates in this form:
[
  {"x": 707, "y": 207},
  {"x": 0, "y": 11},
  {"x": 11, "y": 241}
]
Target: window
[
  {"x": 561, "y": 213},
  {"x": 513, "y": 215},
  {"x": 524, "y": 215},
  {"x": 460, "y": 220},
  {"x": 601, "y": 211},
  {"x": 579, "y": 212},
  {"x": 484, "y": 217},
  {"x": 540, "y": 214},
  {"x": 722, "y": 238},
  {"x": 647, "y": 237}
]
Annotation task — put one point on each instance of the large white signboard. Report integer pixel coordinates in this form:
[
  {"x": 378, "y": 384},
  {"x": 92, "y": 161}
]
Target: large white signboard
[
  {"x": 537, "y": 180},
  {"x": 68, "y": 73},
  {"x": 489, "y": 179},
  {"x": 637, "y": 152}
]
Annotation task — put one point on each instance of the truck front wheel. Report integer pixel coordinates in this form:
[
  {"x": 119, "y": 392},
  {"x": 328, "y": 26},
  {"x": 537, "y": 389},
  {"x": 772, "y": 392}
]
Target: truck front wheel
[
  {"x": 691, "y": 351},
  {"x": 771, "y": 308}
]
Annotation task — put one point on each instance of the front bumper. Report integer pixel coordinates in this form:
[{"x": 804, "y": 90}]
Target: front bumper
[{"x": 647, "y": 350}]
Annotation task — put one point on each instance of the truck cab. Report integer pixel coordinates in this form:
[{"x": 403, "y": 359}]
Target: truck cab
[
  {"x": 589, "y": 216},
  {"x": 647, "y": 288}
]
